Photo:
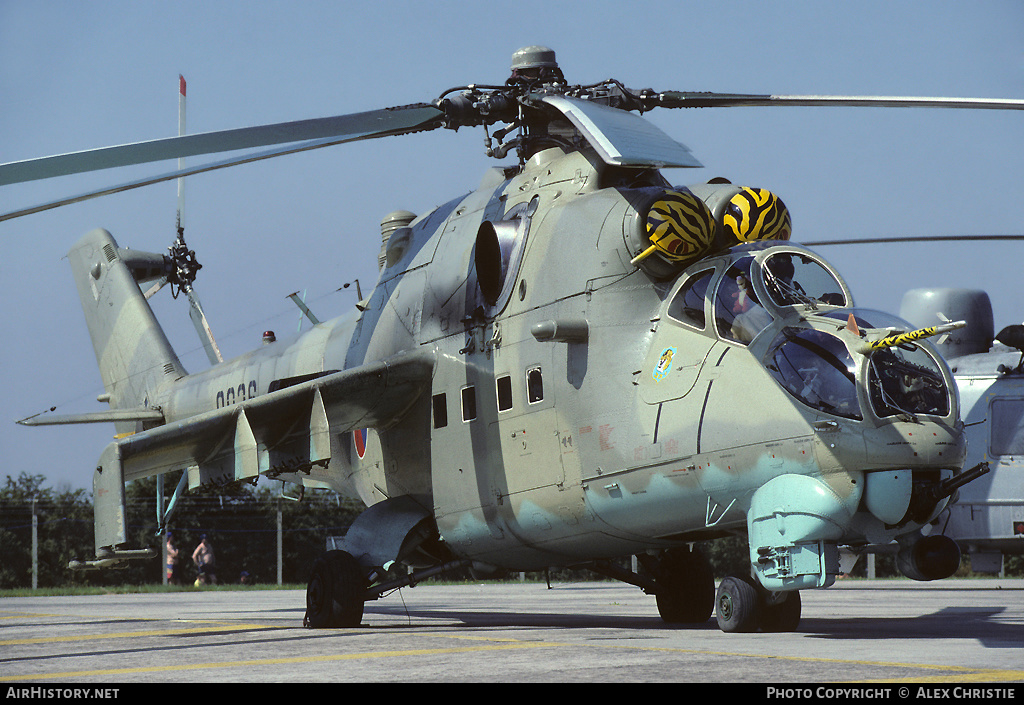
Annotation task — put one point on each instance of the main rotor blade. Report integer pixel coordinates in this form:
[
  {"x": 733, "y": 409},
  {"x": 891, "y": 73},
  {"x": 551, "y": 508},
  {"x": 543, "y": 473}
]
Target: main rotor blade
[
  {"x": 912, "y": 238},
  {"x": 682, "y": 99},
  {"x": 189, "y": 171},
  {"x": 375, "y": 123}
]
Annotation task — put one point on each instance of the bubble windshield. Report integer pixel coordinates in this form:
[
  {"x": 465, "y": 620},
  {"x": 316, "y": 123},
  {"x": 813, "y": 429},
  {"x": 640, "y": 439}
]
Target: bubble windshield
[
  {"x": 792, "y": 278},
  {"x": 739, "y": 316},
  {"x": 903, "y": 380},
  {"x": 816, "y": 368}
]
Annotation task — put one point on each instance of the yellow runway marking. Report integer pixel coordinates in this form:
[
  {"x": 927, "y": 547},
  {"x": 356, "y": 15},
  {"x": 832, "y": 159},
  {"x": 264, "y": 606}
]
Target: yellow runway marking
[
  {"x": 949, "y": 673},
  {"x": 274, "y": 661},
  {"x": 25, "y": 615},
  {"x": 151, "y": 632},
  {"x": 957, "y": 673}
]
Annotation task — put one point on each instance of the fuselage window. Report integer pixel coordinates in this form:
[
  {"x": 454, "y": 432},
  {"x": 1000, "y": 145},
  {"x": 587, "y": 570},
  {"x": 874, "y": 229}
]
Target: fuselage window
[
  {"x": 468, "y": 403},
  {"x": 440, "y": 404},
  {"x": 1007, "y": 427},
  {"x": 534, "y": 385},
  {"x": 504, "y": 388},
  {"x": 688, "y": 304}
]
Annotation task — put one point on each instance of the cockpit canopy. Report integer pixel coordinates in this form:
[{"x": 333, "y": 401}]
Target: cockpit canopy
[
  {"x": 818, "y": 369},
  {"x": 761, "y": 285},
  {"x": 755, "y": 289}
]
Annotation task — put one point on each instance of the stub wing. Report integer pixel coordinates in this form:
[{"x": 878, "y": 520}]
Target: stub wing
[{"x": 285, "y": 431}]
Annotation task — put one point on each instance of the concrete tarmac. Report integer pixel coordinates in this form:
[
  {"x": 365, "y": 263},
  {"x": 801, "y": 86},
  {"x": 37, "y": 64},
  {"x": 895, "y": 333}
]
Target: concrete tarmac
[{"x": 870, "y": 633}]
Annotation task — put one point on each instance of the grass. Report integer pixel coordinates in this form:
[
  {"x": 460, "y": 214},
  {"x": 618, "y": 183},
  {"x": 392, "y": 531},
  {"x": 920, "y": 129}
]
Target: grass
[{"x": 75, "y": 590}]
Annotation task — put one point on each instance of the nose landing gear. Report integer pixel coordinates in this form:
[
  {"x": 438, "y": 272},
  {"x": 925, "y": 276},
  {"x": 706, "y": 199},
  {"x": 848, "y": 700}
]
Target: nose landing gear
[{"x": 742, "y": 605}]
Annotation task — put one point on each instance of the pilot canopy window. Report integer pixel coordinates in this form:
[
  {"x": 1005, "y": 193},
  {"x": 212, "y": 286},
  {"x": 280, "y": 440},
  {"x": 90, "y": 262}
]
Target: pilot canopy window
[
  {"x": 688, "y": 304},
  {"x": 817, "y": 369},
  {"x": 791, "y": 279},
  {"x": 739, "y": 315}
]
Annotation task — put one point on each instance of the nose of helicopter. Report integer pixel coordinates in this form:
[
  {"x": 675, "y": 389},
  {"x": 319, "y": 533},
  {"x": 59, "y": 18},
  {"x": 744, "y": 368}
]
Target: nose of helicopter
[
  {"x": 924, "y": 445},
  {"x": 893, "y": 446}
]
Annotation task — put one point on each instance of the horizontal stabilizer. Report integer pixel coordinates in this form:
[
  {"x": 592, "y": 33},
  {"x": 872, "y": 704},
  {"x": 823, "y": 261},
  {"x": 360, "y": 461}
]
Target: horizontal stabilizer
[{"x": 112, "y": 558}]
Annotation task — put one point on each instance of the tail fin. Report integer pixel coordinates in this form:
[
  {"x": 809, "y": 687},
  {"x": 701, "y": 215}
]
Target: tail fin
[{"x": 134, "y": 355}]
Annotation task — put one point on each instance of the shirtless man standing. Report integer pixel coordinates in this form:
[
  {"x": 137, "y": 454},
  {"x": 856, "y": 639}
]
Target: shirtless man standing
[{"x": 205, "y": 562}]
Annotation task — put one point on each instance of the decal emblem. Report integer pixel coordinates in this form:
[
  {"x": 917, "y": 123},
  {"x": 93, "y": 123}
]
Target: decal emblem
[{"x": 661, "y": 370}]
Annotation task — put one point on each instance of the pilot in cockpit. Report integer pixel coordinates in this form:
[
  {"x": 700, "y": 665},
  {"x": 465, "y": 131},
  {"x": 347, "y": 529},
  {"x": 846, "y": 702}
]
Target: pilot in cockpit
[
  {"x": 780, "y": 281},
  {"x": 748, "y": 317}
]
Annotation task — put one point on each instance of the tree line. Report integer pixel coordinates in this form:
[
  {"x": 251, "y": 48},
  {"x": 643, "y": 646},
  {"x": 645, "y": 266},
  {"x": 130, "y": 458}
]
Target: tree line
[{"x": 241, "y": 522}]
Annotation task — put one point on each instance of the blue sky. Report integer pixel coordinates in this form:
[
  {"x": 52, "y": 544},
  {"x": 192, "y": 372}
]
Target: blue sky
[{"x": 76, "y": 75}]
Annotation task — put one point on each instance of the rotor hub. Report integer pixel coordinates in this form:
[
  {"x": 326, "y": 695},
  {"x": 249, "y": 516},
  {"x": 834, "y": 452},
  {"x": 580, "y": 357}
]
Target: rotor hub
[{"x": 533, "y": 57}]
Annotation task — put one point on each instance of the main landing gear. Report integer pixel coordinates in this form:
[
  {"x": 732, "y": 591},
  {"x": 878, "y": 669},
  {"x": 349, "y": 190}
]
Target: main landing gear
[
  {"x": 685, "y": 586},
  {"x": 682, "y": 583},
  {"x": 685, "y": 590},
  {"x": 336, "y": 592},
  {"x": 339, "y": 586}
]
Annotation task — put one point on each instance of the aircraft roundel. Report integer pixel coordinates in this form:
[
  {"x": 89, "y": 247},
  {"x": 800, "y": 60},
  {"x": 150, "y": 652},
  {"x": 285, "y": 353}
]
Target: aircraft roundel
[{"x": 359, "y": 439}]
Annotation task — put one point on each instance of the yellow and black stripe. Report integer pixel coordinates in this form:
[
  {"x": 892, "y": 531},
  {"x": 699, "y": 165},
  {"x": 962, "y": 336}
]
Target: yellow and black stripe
[
  {"x": 756, "y": 214},
  {"x": 679, "y": 226}
]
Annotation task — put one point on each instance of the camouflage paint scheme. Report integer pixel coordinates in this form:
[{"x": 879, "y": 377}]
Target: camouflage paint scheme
[{"x": 626, "y": 450}]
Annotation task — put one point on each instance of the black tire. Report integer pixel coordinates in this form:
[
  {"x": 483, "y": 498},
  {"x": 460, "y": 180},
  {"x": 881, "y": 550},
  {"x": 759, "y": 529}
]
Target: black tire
[
  {"x": 686, "y": 587},
  {"x": 736, "y": 605},
  {"x": 334, "y": 595},
  {"x": 782, "y": 616}
]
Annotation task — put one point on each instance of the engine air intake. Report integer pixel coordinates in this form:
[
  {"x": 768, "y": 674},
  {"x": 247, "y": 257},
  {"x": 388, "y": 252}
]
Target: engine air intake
[{"x": 680, "y": 228}]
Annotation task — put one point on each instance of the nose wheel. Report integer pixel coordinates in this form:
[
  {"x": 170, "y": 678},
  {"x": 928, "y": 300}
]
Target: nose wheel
[{"x": 741, "y": 605}]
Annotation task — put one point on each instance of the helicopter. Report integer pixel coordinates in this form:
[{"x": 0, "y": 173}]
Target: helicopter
[
  {"x": 987, "y": 519},
  {"x": 575, "y": 363}
]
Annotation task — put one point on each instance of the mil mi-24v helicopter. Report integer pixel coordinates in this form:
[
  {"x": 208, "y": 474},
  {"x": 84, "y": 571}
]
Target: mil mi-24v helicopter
[
  {"x": 987, "y": 519},
  {"x": 575, "y": 363}
]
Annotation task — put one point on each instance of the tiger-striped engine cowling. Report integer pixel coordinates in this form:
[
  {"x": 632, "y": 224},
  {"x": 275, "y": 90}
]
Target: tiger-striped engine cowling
[
  {"x": 680, "y": 228},
  {"x": 755, "y": 214}
]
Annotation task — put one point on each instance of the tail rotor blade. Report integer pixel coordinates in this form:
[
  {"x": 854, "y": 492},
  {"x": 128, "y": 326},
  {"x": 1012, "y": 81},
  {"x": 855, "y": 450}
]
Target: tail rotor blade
[{"x": 202, "y": 325}]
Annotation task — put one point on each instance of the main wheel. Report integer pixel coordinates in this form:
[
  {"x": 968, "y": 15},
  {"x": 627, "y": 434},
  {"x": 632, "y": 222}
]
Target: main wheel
[
  {"x": 686, "y": 587},
  {"x": 781, "y": 616},
  {"x": 334, "y": 595},
  {"x": 736, "y": 605}
]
